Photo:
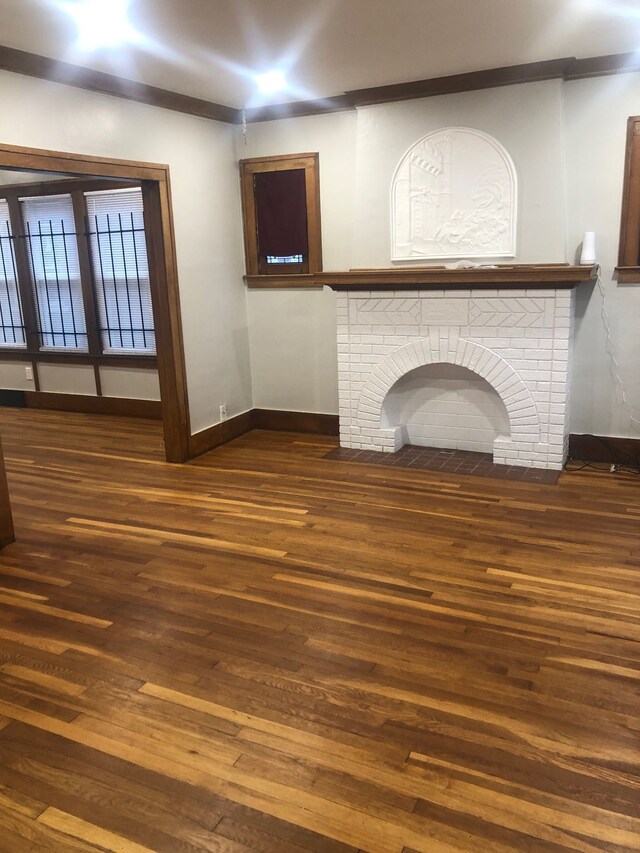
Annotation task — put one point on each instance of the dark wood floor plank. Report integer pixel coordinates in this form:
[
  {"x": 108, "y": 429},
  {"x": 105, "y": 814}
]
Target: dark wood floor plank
[{"x": 268, "y": 650}]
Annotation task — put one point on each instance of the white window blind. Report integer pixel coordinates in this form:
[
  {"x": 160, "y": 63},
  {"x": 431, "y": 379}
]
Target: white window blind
[
  {"x": 11, "y": 320},
  {"x": 53, "y": 260},
  {"x": 120, "y": 270}
]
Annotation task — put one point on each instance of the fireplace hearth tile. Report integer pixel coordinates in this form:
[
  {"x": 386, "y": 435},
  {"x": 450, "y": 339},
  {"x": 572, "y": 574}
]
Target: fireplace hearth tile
[{"x": 445, "y": 461}]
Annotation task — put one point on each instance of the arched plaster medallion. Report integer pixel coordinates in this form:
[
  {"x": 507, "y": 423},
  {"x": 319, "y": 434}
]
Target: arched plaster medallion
[{"x": 454, "y": 195}]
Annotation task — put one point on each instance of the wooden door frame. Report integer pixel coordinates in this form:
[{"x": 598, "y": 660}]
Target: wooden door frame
[{"x": 165, "y": 298}]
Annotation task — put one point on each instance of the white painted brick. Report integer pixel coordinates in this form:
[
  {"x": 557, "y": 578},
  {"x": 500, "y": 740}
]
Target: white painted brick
[
  {"x": 527, "y": 350},
  {"x": 538, "y": 333}
]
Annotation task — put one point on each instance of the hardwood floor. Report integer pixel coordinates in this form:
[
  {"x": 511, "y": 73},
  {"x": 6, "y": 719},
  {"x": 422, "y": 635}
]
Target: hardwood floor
[{"x": 265, "y": 650}]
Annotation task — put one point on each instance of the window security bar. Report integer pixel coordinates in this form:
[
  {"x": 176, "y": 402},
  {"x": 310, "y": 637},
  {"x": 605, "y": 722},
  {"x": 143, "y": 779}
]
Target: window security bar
[
  {"x": 52, "y": 253},
  {"x": 121, "y": 282},
  {"x": 51, "y": 263},
  {"x": 12, "y": 327}
]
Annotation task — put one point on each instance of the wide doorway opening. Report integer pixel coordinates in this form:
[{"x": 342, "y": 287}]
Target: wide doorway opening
[{"x": 89, "y": 303}]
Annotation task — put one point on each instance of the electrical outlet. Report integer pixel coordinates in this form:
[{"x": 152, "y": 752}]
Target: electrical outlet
[
  {"x": 223, "y": 411},
  {"x": 28, "y": 372}
]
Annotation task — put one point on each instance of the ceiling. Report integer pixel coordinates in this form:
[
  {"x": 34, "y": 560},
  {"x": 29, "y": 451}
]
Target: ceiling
[{"x": 211, "y": 48}]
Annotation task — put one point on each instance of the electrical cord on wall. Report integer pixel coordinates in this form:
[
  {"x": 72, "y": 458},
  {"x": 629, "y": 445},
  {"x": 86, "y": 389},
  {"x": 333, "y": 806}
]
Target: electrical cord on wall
[
  {"x": 610, "y": 347},
  {"x": 624, "y": 462}
]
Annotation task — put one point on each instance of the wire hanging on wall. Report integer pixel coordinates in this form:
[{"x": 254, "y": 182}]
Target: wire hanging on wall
[
  {"x": 610, "y": 348},
  {"x": 244, "y": 126}
]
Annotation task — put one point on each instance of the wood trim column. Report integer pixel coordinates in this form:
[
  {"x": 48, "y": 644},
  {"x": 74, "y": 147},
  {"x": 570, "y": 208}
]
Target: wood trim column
[
  {"x": 7, "y": 534},
  {"x": 163, "y": 276},
  {"x": 86, "y": 276}
]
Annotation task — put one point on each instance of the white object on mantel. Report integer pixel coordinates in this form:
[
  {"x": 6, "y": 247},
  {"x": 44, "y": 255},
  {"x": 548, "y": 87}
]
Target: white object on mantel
[{"x": 588, "y": 255}]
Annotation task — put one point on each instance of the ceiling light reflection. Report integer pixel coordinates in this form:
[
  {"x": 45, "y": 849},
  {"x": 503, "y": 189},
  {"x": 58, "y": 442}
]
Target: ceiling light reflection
[
  {"x": 271, "y": 81},
  {"x": 101, "y": 23}
]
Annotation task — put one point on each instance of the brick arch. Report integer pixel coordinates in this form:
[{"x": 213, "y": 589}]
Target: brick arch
[{"x": 520, "y": 405}]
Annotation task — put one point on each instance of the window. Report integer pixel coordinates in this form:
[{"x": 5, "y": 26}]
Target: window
[
  {"x": 281, "y": 210},
  {"x": 12, "y": 332},
  {"x": 52, "y": 251},
  {"x": 79, "y": 269},
  {"x": 629, "y": 255},
  {"x": 120, "y": 270}
]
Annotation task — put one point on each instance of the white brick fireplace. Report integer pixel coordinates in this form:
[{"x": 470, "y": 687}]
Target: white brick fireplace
[{"x": 469, "y": 368}]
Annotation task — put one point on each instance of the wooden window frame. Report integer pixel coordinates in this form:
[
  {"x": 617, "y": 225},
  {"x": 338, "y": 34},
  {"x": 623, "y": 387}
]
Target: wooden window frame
[
  {"x": 76, "y": 189},
  {"x": 281, "y": 277},
  {"x": 628, "y": 268}
]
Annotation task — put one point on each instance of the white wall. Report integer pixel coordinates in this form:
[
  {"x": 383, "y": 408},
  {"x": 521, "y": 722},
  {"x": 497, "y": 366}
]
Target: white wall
[
  {"x": 596, "y": 113},
  {"x": 567, "y": 141},
  {"x": 293, "y": 332},
  {"x": 129, "y": 382},
  {"x": 67, "y": 378},
  {"x": 526, "y": 119},
  {"x": 13, "y": 376},
  {"x": 568, "y": 144},
  {"x": 206, "y": 204},
  {"x": 132, "y": 383}
]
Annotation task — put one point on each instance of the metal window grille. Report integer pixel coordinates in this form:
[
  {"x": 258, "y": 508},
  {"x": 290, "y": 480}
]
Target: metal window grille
[
  {"x": 12, "y": 329},
  {"x": 52, "y": 250},
  {"x": 115, "y": 229}
]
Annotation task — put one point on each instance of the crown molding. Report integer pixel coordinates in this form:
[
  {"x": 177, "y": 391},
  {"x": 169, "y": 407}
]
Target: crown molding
[
  {"x": 567, "y": 68},
  {"x": 34, "y": 65},
  {"x": 471, "y": 81}
]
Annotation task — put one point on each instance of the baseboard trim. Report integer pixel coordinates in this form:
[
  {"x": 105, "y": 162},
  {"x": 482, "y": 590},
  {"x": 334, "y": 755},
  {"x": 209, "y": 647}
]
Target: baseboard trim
[
  {"x": 584, "y": 447},
  {"x": 13, "y": 399},
  {"x": 314, "y": 423},
  {"x": 604, "y": 448},
  {"x": 588, "y": 448},
  {"x": 83, "y": 403},
  {"x": 214, "y": 436},
  {"x": 308, "y": 422}
]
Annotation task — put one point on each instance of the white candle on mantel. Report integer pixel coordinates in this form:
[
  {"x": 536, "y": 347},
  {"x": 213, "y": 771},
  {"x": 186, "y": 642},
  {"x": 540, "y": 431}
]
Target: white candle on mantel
[{"x": 588, "y": 255}]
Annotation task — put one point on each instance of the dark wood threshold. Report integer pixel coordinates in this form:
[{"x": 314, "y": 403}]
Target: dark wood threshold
[{"x": 93, "y": 405}]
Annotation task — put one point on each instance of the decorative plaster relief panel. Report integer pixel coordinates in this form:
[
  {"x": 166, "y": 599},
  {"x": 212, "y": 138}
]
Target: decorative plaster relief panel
[{"x": 454, "y": 195}]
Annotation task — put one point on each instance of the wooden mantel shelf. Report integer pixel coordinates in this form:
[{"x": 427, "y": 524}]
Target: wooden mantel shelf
[
  {"x": 502, "y": 276},
  {"x": 423, "y": 278}
]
